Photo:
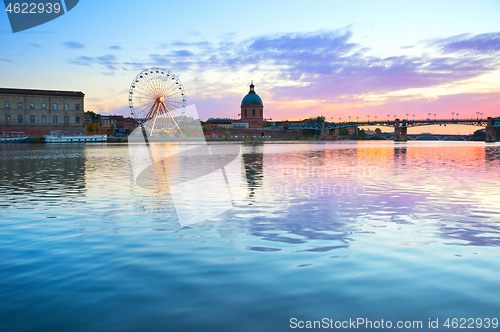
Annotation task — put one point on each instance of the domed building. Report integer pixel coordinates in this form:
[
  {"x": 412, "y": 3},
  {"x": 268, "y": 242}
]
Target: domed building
[{"x": 252, "y": 109}]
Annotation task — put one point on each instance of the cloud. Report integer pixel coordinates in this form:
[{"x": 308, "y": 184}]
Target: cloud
[
  {"x": 7, "y": 60},
  {"x": 181, "y": 53},
  {"x": 35, "y": 45},
  {"x": 487, "y": 42},
  {"x": 324, "y": 66},
  {"x": 115, "y": 47},
  {"x": 110, "y": 62},
  {"x": 73, "y": 45}
]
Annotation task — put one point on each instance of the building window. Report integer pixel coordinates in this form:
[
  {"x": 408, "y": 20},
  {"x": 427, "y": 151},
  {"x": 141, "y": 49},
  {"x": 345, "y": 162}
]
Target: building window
[
  {"x": 32, "y": 119},
  {"x": 7, "y": 118},
  {"x": 55, "y": 107},
  {"x": 32, "y": 106},
  {"x": 260, "y": 112},
  {"x": 77, "y": 119},
  {"x": 245, "y": 112},
  {"x": 253, "y": 112},
  {"x": 66, "y": 119},
  {"x": 44, "y": 106},
  {"x": 55, "y": 118},
  {"x": 20, "y": 119},
  {"x": 7, "y": 105},
  {"x": 44, "y": 119},
  {"x": 66, "y": 107},
  {"x": 20, "y": 106},
  {"x": 77, "y": 107}
]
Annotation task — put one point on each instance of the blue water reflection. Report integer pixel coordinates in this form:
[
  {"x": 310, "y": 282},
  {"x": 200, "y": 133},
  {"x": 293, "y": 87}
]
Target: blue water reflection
[{"x": 339, "y": 230}]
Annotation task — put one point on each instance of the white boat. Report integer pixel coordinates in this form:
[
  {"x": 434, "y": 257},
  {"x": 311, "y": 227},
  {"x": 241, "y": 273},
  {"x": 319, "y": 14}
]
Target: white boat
[
  {"x": 74, "y": 137},
  {"x": 13, "y": 137}
]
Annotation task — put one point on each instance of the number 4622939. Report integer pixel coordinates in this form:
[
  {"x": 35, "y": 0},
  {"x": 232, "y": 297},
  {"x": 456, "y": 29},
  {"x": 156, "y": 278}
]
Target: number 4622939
[
  {"x": 464, "y": 323},
  {"x": 33, "y": 8}
]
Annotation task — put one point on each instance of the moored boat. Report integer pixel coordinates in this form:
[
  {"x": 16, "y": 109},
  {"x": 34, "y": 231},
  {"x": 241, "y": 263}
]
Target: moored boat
[
  {"x": 13, "y": 137},
  {"x": 74, "y": 137}
]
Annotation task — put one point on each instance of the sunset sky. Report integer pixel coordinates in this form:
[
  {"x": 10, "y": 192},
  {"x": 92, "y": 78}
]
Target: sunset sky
[{"x": 306, "y": 58}]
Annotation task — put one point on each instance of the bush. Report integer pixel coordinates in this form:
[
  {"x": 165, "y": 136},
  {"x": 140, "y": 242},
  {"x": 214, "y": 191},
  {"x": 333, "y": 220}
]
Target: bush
[{"x": 343, "y": 131}]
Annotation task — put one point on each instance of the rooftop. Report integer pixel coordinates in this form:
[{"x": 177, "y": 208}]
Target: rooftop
[{"x": 41, "y": 92}]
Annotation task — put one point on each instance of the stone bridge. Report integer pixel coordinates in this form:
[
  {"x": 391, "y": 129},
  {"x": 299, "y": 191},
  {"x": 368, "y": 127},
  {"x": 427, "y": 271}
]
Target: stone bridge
[{"x": 331, "y": 129}]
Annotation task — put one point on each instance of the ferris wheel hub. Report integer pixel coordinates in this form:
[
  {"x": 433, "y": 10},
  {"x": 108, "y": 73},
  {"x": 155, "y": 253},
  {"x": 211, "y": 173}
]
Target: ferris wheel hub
[{"x": 160, "y": 99}]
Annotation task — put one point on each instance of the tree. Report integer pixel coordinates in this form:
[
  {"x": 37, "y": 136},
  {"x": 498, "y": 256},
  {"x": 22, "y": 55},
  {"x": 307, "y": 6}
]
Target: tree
[
  {"x": 93, "y": 115},
  {"x": 90, "y": 127},
  {"x": 361, "y": 134},
  {"x": 479, "y": 135},
  {"x": 378, "y": 130},
  {"x": 343, "y": 131},
  {"x": 318, "y": 120}
]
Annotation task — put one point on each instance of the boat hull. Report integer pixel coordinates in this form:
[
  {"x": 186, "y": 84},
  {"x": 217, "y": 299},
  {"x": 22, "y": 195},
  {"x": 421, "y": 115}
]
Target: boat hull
[
  {"x": 76, "y": 139},
  {"x": 24, "y": 139}
]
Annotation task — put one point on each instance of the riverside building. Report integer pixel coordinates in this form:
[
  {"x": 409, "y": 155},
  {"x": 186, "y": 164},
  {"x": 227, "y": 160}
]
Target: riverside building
[{"x": 38, "y": 112}]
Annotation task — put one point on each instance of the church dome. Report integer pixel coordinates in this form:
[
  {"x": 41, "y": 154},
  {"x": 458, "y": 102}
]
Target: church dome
[{"x": 252, "y": 98}]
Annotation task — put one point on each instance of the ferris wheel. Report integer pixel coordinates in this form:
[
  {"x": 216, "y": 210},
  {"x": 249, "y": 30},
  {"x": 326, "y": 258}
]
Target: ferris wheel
[{"x": 157, "y": 100}]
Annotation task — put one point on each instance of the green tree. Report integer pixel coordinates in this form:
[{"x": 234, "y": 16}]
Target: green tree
[
  {"x": 378, "y": 131},
  {"x": 361, "y": 134},
  {"x": 318, "y": 120},
  {"x": 479, "y": 135},
  {"x": 93, "y": 116},
  {"x": 343, "y": 131},
  {"x": 90, "y": 127}
]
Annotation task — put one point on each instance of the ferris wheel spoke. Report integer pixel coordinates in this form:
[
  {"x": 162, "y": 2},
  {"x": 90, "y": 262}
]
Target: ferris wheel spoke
[{"x": 157, "y": 99}]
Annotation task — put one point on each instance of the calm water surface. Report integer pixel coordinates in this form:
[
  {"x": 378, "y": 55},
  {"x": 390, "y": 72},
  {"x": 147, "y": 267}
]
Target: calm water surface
[{"x": 339, "y": 230}]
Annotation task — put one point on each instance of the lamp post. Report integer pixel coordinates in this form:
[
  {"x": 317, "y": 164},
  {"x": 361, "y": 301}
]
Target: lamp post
[
  {"x": 413, "y": 117},
  {"x": 457, "y": 115},
  {"x": 407, "y": 115},
  {"x": 429, "y": 116},
  {"x": 434, "y": 116},
  {"x": 481, "y": 114},
  {"x": 368, "y": 117},
  {"x": 349, "y": 118},
  {"x": 452, "y": 115},
  {"x": 477, "y": 113},
  {"x": 388, "y": 116},
  {"x": 357, "y": 118}
]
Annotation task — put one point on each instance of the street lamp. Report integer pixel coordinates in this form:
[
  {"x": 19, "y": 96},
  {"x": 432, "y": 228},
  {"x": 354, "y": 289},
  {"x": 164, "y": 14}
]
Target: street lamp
[
  {"x": 481, "y": 114},
  {"x": 368, "y": 117},
  {"x": 375, "y": 118},
  {"x": 407, "y": 115},
  {"x": 457, "y": 115},
  {"x": 434, "y": 116},
  {"x": 388, "y": 116},
  {"x": 357, "y": 118},
  {"x": 349, "y": 118},
  {"x": 452, "y": 115},
  {"x": 413, "y": 117},
  {"x": 429, "y": 116},
  {"x": 477, "y": 113}
]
